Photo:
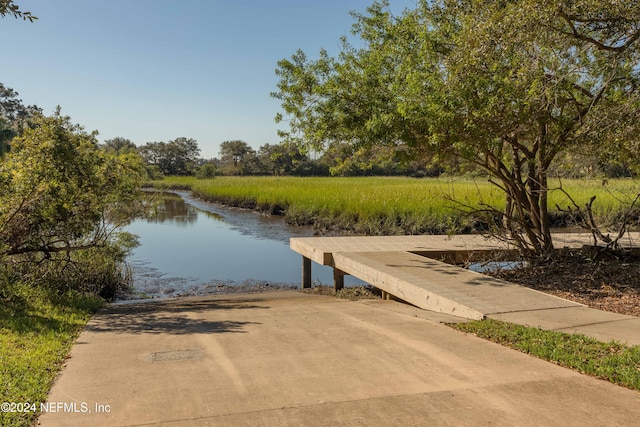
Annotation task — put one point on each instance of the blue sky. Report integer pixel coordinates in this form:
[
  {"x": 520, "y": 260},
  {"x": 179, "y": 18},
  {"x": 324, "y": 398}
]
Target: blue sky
[{"x": 155, "y": 70}]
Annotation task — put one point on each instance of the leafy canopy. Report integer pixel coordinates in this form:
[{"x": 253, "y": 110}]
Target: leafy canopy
[
  {"x": 14, "y": 116},
  {"x": 504, "y": 85},
  {"x": 176, "y": 157},
  {"x": 8, "y": 7},
  {"x": 60, "y": 193}
]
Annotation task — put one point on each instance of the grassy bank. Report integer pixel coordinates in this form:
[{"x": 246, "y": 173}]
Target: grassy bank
[
  {"x": 384, "y": 205},
  {"x": 614, "y": 362},
  {"x": 37, "y": 330}
]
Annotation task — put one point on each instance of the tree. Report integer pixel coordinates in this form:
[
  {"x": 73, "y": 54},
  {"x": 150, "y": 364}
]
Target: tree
[
  {"x": 349, "y": 160},
  {"x": 280, "y": 159},
  {"x": 207, "y": 170},
  {"x": 14, "y": 116},
  {"x": 119, "y": 145},
  {"x": 59, "y": 193},
  {"x": 8, "y": 7},
  {"x": 239, "y": 155},
  {"x": 234, "y": 151},
  {"x": 6, "y": 134},
  {"x": 177, "y": 157},
  {"x": 504, "y": 85}
]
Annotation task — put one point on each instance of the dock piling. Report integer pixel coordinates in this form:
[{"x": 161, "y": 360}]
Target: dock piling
[
  {"x": 306, "y": 272},
  {"x": 338, "y": 279}
]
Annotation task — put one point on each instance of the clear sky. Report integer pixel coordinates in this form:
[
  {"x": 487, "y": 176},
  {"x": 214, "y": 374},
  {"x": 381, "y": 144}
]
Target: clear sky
[{"x": 155, "y": 70}]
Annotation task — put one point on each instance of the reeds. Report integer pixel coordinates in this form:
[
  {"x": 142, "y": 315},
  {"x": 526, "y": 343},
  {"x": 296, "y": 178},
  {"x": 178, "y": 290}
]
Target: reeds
[{"x": 388, "y": 205}]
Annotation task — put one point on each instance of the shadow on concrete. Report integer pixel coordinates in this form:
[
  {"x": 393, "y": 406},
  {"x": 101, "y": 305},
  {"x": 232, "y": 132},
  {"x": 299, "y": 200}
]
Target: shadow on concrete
[
  {"x": 488, "y": 280},
  {"x": 172, "y": 317},
  {"x": 436, "y": 267}
]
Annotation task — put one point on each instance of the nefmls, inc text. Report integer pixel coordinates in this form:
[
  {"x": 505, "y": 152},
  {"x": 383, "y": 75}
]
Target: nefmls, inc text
[{"x": 74, "y": 407}]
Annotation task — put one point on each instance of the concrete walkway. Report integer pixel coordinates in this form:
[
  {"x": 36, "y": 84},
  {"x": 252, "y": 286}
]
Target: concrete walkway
[{"x": 292, "y": 359}]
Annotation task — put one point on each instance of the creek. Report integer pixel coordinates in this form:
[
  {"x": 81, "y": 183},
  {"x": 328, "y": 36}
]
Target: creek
[{"x": 191, "y": 247}]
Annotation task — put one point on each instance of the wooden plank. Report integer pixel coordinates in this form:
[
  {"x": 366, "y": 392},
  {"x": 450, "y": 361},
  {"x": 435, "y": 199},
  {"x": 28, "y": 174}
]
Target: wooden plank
[
  {"x": 321, "y": 249},
  {"x": 440, "y": 287}
]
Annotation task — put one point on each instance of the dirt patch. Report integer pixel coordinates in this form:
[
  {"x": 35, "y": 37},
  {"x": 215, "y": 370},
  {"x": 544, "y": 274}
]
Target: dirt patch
[
  {"x": 352, "y": 293},
  {"x": 610, "y": 284}
]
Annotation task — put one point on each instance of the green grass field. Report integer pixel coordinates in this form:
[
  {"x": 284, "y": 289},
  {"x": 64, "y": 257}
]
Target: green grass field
[
  {"x": 386, "y": 205},
  {"x": 37, "y": 330}
]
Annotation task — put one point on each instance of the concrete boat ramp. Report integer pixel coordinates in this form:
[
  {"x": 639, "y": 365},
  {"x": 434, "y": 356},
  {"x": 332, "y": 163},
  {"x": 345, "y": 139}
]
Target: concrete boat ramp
[
  {"x": 409, "y": 269},
  {"x": 285, "y": 358}
]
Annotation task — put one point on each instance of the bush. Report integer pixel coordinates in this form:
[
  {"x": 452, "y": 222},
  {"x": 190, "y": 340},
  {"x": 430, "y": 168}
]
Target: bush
[
  {"x": 207, "y": 171},
  {"x": 98, "y": 271}
]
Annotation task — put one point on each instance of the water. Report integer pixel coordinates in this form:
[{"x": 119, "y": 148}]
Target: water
[
  {"x": 485, "y": 267},
  {"x": 192, "y": 248}
]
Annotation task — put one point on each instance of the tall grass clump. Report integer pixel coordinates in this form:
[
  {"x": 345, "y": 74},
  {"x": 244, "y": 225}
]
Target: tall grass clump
[{"x": 380, "y": 205}]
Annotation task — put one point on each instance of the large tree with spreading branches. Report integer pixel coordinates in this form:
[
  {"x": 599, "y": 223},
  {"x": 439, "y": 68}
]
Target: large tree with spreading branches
[{"x": 505, "y": 85}]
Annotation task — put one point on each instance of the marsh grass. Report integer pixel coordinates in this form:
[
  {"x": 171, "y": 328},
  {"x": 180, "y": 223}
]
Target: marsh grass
[
  {"x": 37, "y": 329},
  {"x": 389, "y": 205},
  {"x": 615, "y": 362}
]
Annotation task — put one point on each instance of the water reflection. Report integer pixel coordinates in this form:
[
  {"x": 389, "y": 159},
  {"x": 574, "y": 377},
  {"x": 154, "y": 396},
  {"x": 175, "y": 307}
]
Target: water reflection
[
  {"x": 192, "y": 247},
  {"x": 169, "y": 207}
]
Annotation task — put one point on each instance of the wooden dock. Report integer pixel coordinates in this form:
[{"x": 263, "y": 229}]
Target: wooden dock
[{"x": 408, "y": 268}]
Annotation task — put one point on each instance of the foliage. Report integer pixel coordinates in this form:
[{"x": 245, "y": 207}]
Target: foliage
[
  {"x": 611, "y": 361},
  {"x": 100, "y": 271},
  {"x": 348, "y": 160},
  {"x": 14, "y": 116},
  {"x": 506, "y": 86},
  {"x": 286, "y": 159},
  {"x": 281, "y": 159},
  {"x": 61, "y": 194},
  {"x": 176, "y": 157},
  {"x": 207, "y": 171},
  {"x": 237, "y": 157},
  {"x": 8, "y": 7},
  {"x": 119, "y": 145},
  {"x": 37, "y": 329}
]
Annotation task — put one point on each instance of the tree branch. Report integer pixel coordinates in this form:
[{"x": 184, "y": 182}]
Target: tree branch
[
  {"x": 570, "y": 20},
  {"x": 46, "y": 249}
]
